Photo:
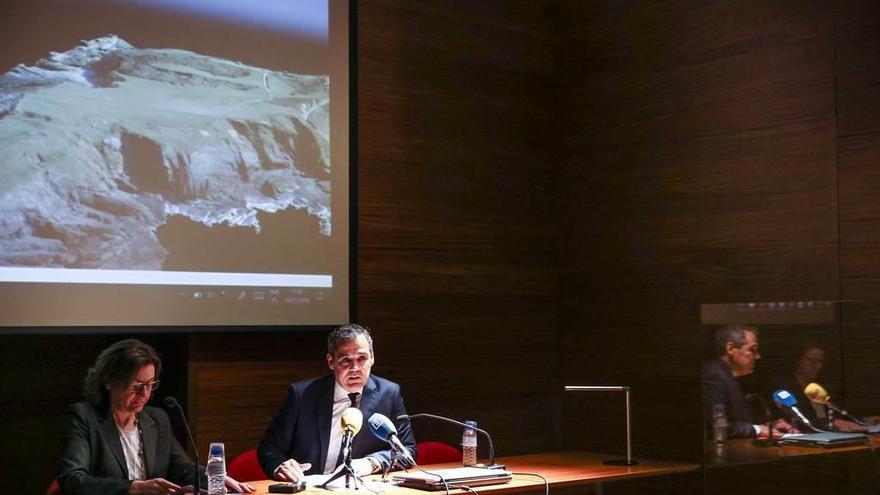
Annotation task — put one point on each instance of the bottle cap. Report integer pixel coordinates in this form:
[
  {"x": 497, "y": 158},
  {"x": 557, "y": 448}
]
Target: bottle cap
[{"x": 217, "y": 449}]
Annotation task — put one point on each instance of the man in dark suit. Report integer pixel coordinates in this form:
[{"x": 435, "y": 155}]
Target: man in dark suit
[
  {"x": 736, "y": 351},
  {"x": 305, "y": 435}
]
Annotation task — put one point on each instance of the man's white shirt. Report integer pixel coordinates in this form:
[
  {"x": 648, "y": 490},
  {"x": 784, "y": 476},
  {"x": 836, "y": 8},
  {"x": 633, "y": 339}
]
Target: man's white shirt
[{"x": 341, "y": 402}]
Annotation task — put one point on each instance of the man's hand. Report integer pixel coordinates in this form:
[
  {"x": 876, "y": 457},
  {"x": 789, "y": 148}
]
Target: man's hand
[
  {"x": 778, "y": 428},
  {"x": 155, "y": 486},
  {"x": 238, "y": 487},
  {"x": 290, "y": 470},
  {"x": 782, "y": 426}
]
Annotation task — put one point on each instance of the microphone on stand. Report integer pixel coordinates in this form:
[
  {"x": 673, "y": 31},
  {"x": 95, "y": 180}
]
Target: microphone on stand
[
  {"x": 384, "y": 429},
  {"x": 816, "y": 393},
  {"x": 171, "y": 403},
  {"x": 785, "y": 400},
  {"x": 492, "y": 463},
  {"x": 352, "y": 420}
]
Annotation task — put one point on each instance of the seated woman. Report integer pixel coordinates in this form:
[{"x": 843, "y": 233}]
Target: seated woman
[
  {"x": 117, "y": 444},
  {"x": 808, "y": 363}
]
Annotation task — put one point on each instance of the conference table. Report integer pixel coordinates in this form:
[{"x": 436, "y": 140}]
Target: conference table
[
  {"x": 742, "y": 465},
  {"x": 563, "y": 470},
  {"x": 744, "y": 451}
]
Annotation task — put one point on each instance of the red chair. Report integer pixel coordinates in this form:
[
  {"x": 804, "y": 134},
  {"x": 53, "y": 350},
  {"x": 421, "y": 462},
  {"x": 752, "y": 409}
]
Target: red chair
[
  {"x": 54, "y": 488},
  {"x": 431, "y": 452},
  {"x": 246, "y": 467}
]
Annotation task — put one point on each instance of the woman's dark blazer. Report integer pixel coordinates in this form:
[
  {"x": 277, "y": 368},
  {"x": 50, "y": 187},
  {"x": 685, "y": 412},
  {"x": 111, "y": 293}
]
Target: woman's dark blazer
[{"x": 92, "y": 461}]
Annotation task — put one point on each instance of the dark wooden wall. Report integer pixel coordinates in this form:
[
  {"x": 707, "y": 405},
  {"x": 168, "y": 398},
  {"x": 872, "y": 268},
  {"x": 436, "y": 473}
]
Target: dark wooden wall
[
  {"x": 457, "y": 230},
  {"x": 712, "y": 152},
  {"x": 547, "y": 193},
  {"x": 698, "y": 166},
  {"x": 858, "y": 158},
  {"x": 38, "y": 380}
]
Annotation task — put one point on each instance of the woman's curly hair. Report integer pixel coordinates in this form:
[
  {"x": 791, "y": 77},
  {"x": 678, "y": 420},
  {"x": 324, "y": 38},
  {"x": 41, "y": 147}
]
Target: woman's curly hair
[{"x": 116, "y": 367}]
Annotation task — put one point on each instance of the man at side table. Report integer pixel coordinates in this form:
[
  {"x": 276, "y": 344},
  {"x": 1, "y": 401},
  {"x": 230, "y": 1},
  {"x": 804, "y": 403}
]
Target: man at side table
[
  {"x": 305, "y": 435},
  {"x": 736, "y": 351}
]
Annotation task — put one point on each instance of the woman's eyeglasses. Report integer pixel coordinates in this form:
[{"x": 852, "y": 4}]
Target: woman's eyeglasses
[{"x": 141, "y": 387}]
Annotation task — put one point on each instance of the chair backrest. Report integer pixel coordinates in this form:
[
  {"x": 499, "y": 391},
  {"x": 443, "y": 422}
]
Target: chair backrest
[
  {"x": 54, "y": 488},
  {"x": 246, "y": 467},
  {"x": 431, "y": 452}
]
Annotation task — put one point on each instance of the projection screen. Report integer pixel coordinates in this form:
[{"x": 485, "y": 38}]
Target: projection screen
[{"x": 174, "y": 162}]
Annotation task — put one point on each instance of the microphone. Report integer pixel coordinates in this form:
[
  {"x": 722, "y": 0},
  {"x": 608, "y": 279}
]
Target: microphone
[
  {"x": 171, "y": 403},
  {"x": 492, "y": 463},
  {"x": 785, "y": 400},
  {"x": 817, "y": 393},
  {"x": 352, "y": 420},
  {"x": 384, "y": 429}
]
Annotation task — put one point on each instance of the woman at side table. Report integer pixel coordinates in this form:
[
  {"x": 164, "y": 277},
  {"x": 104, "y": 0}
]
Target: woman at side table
[{"x": 115, "y": 443}]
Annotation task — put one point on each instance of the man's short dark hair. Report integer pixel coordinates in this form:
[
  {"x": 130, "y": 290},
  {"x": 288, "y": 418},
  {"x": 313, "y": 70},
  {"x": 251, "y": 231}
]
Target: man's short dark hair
[
  {"x": 346, "y": 333},
  {"x": 735, "y": 333}
]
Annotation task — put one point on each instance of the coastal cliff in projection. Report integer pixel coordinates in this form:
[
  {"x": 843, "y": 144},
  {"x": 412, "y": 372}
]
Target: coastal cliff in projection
[{"x": 105, "y": 143}]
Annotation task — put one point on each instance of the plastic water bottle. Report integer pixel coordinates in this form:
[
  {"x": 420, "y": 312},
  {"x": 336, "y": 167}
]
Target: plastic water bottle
[
  {"x": 719, "y": 424},
  {"x": 469, "y": 444},
  {"x": 215, "y": 469}
]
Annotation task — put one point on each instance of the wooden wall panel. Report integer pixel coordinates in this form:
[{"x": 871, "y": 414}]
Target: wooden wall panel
[
  {"x": 238, "y": 381},
  {"x": 456, "y": 247},
  {"x": 858, "y": 110},
  {"x": 698, "y": 165},
  {"x": 861, "y": 332},
  {"x": 857, "y": 67},
  {"x": 457, "y": 230},
  {"x": 38, "y": 379},
  {"x": 858, "y": 142},
  {"x": 234, "y": 403}
]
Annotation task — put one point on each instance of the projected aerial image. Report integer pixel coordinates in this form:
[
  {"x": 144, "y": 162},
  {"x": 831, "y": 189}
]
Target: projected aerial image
[
  {"x": 174, "y": 162},
  {"x": 112, "y": 153}
]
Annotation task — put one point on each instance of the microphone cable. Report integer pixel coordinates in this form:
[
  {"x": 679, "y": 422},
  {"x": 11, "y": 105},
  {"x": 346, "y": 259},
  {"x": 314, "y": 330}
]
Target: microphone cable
[
  {"x": 396, "y": 460},
  {"x": 445, "y": 484},
  {"x": 546, "y": 483},
  {"x": 494, "y": 464},
  {"x": 471, "y": 490}
]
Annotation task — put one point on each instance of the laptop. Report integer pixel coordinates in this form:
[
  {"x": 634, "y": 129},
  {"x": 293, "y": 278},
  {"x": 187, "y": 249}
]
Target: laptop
[
  {"x": 455, "y": 478},
  {"x": 825, "y": 440}
]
